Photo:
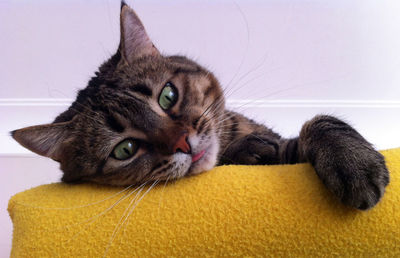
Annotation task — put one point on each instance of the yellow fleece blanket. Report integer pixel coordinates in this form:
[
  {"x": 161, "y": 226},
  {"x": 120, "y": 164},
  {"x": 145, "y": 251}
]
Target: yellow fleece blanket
[{"x": 282, "y": 211}]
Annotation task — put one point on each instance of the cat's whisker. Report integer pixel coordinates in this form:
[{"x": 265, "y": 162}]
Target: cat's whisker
[
  {"x": 227, "y": 117},
  {"x": 213, "y": 107},
  {"x": 267, "y": 95},
  {"x": 213, "y": 118},
  {"x": 217, "y": 115},
  {"x": 229, "y": 88},
  {"x": 162, "y": 193},
  {"x": 236, "y": 86},
  {"x": 207, "y": 120},
  {"x": 218, "y": 101},
  {"x": 121, "y": 129},
  {"x": 232, "y": 86},
  {"x": 240, "y": 108},
  {"x": 121, "y": 218},
  {"x": 217, "y": 106},
  {"x": 206, "y": 111},
  {"x": 77, "y": 207},
  {"x": 132, "y": 205},
  {"x": 94, "y": 218},
  {"x": 247, "y": 43},
  {"x": 138, "y": 201}
]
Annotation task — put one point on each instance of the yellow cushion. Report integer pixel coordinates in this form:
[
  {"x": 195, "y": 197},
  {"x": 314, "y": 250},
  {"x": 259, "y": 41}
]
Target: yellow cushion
[{"x": 229, "y": 211}]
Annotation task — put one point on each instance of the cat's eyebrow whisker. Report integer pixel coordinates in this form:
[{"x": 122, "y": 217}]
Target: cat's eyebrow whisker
[
  {"x": 230, "y": 89},
  {"x": 226, "y": 90},
  {"x": 266, "y": 88},
  {"x": 234, "y": 89},
  {"x": 247, "y": 42},
  {"x": 244, "y": 106},
  {"x": 235, "y": 86},
  {"x": 217, "y": 116},
  {"x": 128, "y": 211},
  {"x": 240, "y": 108}
]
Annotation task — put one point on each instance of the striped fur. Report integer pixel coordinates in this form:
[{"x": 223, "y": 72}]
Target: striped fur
[{"x": 121, "y": 102}]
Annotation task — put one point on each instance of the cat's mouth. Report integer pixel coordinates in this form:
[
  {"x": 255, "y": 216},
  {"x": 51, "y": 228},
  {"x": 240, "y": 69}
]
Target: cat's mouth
[
  {"x": 197, "y": 163},
  {"x": 201, "y": 161},
  {"x": 198, "y": 156},
  {"x": 204, "y": 156}
]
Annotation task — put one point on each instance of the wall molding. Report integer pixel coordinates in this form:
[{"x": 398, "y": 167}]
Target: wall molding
[
  {"x": 308, "y": 103},
  {"x": 21, "y": 112},
  {"x": 232, "y": 103},
  {"x": 29, "y": 102}
]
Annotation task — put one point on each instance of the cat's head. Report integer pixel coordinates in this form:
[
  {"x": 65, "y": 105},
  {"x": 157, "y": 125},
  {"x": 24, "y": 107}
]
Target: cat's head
[{"x": 143, "y": 117}]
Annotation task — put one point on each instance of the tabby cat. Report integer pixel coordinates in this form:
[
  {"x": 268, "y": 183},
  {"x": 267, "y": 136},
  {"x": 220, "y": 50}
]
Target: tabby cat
[{"x": 146, "y": 117}]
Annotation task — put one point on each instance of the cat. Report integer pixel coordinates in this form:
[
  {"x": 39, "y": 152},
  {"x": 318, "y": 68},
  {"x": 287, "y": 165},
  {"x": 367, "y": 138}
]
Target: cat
[{"x": 146, "y": 117}]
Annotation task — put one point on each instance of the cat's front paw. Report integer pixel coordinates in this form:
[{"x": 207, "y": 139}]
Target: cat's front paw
[
  {"x": 346, "y": 163},
  {"x": 358, "y": 178}
]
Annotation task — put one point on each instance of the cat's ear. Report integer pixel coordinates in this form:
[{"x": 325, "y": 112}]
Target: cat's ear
[
  {"x": 135, "y": 42},
  {"x": 45, "y": 140}
]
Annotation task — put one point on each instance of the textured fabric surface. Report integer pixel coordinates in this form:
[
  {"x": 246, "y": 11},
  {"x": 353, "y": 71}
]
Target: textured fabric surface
[{"x": 229, "y": 211}]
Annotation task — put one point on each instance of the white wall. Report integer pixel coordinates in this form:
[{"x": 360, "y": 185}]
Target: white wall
[{"x": 282, "y": 62}]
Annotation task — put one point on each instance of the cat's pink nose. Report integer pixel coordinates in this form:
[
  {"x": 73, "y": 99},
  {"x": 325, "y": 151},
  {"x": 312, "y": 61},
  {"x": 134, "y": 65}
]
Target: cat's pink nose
[{"x": 182, "y": 144}]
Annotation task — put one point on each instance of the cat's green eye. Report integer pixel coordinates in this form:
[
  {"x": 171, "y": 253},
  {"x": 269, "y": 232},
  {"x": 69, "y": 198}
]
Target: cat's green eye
[
  {"x": 168, "y": 96},
  {"x": 125, "y": 149}
]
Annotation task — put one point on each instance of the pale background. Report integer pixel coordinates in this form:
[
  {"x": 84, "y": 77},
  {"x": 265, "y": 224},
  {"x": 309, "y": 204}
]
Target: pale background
[{"x": 282, "y": 61}]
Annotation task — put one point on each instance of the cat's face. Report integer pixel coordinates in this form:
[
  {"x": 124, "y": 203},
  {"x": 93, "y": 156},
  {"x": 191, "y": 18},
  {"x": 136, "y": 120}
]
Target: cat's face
[{"x": 143, "y": 117}]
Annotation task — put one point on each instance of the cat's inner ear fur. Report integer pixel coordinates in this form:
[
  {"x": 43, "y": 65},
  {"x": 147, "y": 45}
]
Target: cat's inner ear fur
[
  {"x": 45, "y": 140},
  {"x": 135, "y": 42}
]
